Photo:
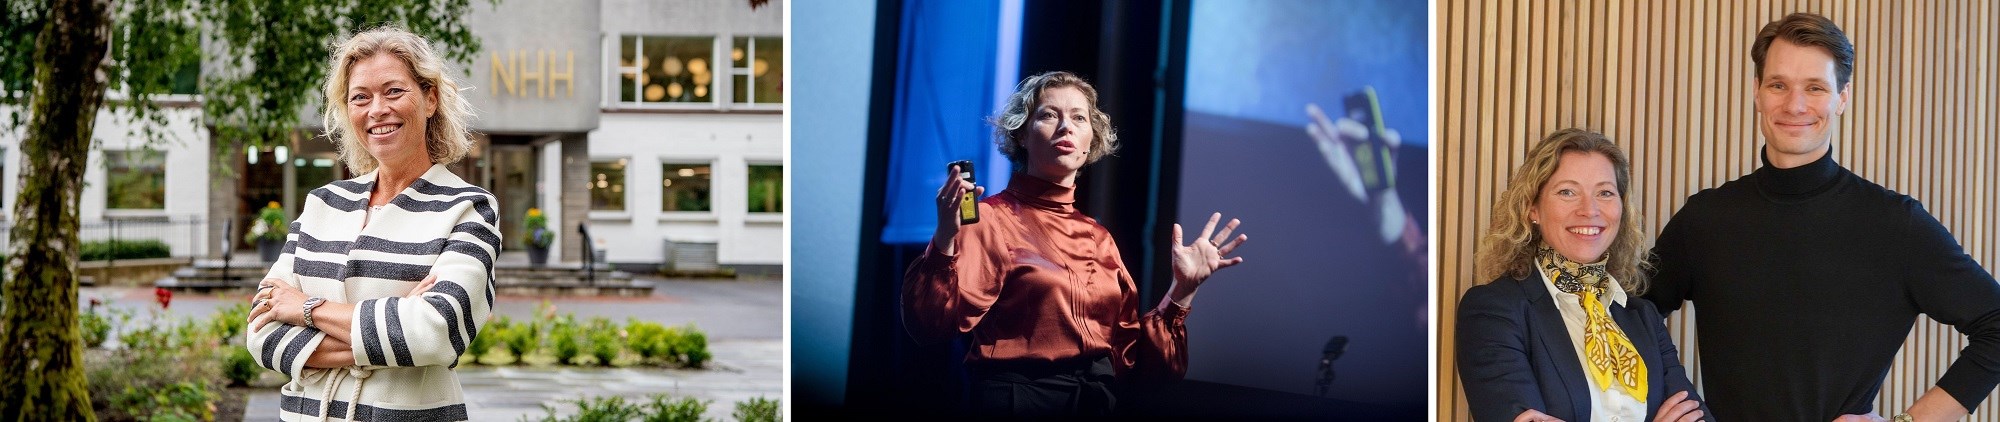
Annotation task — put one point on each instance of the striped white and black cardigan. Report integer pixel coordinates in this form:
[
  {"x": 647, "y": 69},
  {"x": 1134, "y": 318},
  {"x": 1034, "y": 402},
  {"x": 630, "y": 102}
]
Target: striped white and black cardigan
[{"x": 404, "y": 349}]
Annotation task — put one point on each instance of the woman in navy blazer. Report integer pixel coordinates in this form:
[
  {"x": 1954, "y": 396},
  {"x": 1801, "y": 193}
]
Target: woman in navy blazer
[{"x": 1518, "y": 359}]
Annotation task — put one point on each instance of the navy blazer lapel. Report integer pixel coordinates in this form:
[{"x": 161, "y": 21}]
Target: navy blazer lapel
[{"x": 1554, "y": 337}]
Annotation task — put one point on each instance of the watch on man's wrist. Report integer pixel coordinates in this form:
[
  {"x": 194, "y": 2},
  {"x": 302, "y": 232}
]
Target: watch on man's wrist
[
  {"x": 309, "y": 305},
  {"x": 1902, "y": 417}
]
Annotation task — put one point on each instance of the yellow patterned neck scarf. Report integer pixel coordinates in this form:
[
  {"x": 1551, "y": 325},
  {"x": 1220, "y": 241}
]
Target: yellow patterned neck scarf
[{"x": 1613, "y": 361}]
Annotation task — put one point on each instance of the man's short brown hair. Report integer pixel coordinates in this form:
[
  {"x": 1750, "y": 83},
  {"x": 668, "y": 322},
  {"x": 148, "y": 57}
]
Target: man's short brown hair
[{"x": 1809, "y": 30}]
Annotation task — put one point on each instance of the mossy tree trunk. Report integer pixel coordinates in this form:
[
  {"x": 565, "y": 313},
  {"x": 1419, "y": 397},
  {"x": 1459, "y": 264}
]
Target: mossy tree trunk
[{"x": 41, "y": 351}]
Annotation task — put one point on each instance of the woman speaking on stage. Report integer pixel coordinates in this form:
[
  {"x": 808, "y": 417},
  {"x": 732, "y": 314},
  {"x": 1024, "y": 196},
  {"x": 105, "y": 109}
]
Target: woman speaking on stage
[{"x": 1053, "y": 312}]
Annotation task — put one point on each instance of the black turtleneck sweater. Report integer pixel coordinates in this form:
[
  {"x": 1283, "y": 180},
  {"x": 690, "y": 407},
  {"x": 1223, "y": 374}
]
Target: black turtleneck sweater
[{"x": 1807, "y": 281}]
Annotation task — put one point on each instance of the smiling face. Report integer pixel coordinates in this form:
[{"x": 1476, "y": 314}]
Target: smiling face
[
  {"x": 1058, "y": 135},
  {"x": 388, "y": 109},
  {"x": 1798, "y": 101},
  {"x": 1578, "y": 209}
]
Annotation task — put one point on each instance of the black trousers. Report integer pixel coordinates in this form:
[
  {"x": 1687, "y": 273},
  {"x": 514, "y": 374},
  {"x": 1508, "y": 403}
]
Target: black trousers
[{"x": 1042, "y": 389}]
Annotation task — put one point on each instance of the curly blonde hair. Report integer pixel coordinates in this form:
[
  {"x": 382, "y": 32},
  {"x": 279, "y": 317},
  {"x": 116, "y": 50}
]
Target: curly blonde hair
[
  {"x": 1007, "y": 127},
  {"x": 1508, "y": 249},
  {"x": 447, "y": 135}
]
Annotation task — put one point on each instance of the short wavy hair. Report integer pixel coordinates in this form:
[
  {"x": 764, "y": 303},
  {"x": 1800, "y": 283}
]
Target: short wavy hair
[
  {"x": 1008, "y": 127},
  {"x": 1810, "y": 30},
  {"x": 447, "y": 133},
  {"x": 1509, "y": 247}
]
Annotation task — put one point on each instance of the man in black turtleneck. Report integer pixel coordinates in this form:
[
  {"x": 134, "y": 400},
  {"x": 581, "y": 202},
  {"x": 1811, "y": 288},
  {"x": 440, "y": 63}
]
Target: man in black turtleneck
[{"x": 1808, "y": 278}]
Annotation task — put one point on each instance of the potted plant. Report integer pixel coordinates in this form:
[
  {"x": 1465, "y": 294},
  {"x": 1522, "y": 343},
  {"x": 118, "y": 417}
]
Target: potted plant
[
  {"x": 268, "y": 232},
  {"x": 539, "y": 238}
]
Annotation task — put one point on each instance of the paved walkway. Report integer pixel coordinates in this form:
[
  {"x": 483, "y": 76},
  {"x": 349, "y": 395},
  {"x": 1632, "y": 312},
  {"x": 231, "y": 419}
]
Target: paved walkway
[
  {"x": 742, "y": 369},
  {"x": 743, "y": 319}
]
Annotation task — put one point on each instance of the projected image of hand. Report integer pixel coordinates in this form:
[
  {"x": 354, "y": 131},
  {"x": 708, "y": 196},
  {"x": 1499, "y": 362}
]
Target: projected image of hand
[
  {"x": 1194, "y": 262},
  {"x": 1361, "y": 150},
  {"x": 1365, "y": 167},
  {"x": 1339, "y": 139}
]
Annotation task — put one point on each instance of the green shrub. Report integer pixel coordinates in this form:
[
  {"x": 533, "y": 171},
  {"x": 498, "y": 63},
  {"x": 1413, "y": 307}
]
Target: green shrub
[
  {"x": 685, "y": 409},
  {"x": 482, "y": 342},
  {"x": 682, "y": 345},
  {"x": 240, "y": 367},
  {"x": 601, "y": 409},
  {"x": 564, "y": 340},
  {"x": 96, "y": 327},
  {"x": 597, "y": 340},
  {"x": 228, "y": 323},
  {"x": 659, "y": 408},
  {"x": 99, "y": 250},
  {"x": 693, "y": 347},
  {"x": 180, "y": 401},
  {"x": 670, "y": 345},
  {"x": 189, "y": 335},
  {"x": 165, "y": 369},
  {"x": 757, "y": 409},
  {"x": 648, "y": 339},
  {"x": 519, "y": 338},
  {"x": 604, "y": 341},
  {"x": 145, "y": 337}
]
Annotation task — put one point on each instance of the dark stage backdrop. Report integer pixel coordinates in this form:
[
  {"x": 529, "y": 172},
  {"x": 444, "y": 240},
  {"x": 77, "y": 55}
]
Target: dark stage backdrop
[{"x": 1315, "y": 266}]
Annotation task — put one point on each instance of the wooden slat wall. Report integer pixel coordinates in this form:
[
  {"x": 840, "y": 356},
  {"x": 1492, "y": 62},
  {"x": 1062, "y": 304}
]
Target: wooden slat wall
[{"x": 1671, "y": 82}]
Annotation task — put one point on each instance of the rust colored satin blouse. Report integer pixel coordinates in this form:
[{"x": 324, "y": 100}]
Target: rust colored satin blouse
[{"x": 1035, "y": 280}]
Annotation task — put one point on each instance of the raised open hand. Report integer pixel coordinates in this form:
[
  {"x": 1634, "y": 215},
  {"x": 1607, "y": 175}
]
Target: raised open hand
[{"x": 1194, "y": 262}]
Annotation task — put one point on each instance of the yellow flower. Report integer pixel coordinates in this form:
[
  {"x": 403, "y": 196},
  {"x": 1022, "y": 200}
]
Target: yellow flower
[
  {"x": 534, "y": 212},
  {"x": 273, "y": 204}
]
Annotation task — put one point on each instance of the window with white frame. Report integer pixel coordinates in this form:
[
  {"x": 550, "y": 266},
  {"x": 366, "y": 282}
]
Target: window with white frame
[
  {"x": 684, "y": 187},
  {"x": 757, "y": 70},
  {"x": 607, "y": 185},
  {"x": 666, "y": 69}
]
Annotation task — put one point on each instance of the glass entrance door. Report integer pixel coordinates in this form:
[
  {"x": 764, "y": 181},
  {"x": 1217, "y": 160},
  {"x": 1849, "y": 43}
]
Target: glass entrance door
[{"x": 515, "y": 180}]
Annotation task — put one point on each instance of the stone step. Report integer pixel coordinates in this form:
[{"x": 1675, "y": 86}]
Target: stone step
[
  {"x": 204, "y": 285},
  {"x": 219, "y": 272}
]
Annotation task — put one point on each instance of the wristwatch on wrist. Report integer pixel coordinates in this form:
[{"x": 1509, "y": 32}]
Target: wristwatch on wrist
[
  {"x": 1902, "y": 417},
  {"x": 310, "y": 304}
]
